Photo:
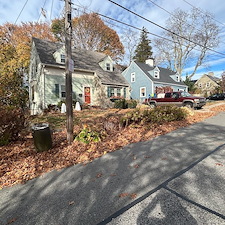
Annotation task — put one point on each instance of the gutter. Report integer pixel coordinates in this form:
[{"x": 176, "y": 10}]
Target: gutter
[{"x": 63, "y": 67}]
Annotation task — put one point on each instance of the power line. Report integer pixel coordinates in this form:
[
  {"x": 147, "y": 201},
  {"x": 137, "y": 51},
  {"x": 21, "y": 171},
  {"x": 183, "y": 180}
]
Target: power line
[
  {"x": 51, "y": 10},
  {"x": 21, "y": 12},
  {"x": 129, "y": 25},
  {"x": 173, "y": 14},
  {"x": 203, "y": 12},
  {"x": 165, "y": 28}
]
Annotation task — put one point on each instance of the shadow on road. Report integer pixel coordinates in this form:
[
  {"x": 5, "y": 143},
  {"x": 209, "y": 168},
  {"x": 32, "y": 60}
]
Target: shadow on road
[
  {"x": 87, "y": 195},
  {"x": 165, "y": 209}
]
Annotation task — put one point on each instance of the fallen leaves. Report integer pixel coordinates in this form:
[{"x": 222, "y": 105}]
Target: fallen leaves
[
  {"x": 71, "y": 203},
  {"x": 132, "y": 195},
  {"x": 20, "y": 162},
  {"x": 219, "y": 164}
]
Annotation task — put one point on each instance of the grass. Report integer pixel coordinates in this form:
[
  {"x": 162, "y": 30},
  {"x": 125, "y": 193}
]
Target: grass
[{"x": 58, "y": 120}]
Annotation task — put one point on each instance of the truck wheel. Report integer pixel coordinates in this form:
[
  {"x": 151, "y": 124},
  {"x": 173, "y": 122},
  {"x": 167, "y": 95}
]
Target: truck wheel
[
  {"x": 152, "y": 105},
  {"x": 188, "y": 105}
]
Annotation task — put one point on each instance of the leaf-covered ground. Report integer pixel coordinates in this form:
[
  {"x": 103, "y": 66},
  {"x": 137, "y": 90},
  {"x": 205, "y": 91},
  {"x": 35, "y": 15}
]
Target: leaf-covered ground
[{"x": 20, "y": 162}]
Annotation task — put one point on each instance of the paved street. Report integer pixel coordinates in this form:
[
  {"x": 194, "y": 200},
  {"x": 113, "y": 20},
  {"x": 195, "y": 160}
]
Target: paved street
[{"x": 177, "y": 178}]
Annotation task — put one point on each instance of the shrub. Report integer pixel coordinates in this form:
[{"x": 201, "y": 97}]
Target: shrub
[
  {"x": 87, "y": 135},
  {"x": 120, "y": 104},
  {"x": 131, "y": 104},
  {"x": 157, "y": 115},
  {"x": 12, "y": 123},
  {"x": 124, "y": 104}
]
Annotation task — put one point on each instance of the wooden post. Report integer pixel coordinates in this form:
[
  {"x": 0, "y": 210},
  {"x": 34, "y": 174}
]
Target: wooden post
[{"x": 69, "y": 105}]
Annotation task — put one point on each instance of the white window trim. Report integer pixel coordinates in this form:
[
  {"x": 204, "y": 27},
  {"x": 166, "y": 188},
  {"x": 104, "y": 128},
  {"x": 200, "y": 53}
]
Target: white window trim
[
  {"x": 200, "y": 85},
  {"x": 132, "y": 77},
  {"x": 156, "y": 74},
  {"x": 141, "y": 92},
  {"x": 62, "y": 58},
  {"x": 60, "y": 93},
  {"x": 108, "y": 65},
  {"x": 207, "y": 84}
]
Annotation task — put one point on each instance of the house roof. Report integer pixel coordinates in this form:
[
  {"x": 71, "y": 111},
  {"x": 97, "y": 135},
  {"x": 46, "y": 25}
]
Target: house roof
[
  {"x": 83, "y": 60},
  {"x": 212, "y": 78},
  {"x": 216, "y": 79},
  {"x": 164, "y": 74}
]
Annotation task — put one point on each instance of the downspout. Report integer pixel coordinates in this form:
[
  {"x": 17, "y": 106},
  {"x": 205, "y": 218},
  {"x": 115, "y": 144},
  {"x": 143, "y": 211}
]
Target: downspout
[
  {"x": 152, "y": 89},
  {"x": 43, "y": 105}
]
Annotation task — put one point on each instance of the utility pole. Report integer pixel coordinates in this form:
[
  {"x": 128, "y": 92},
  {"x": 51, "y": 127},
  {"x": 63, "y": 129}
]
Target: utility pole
[{"x": 69, "y": 69}]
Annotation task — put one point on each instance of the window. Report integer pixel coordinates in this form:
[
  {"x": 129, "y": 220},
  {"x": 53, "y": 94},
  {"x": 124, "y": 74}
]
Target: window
[
  {"x": 168, "y": 95},
  {"x": 207, "y": 84},
  {"x": 200, "y": 85},
  {"x": 108, "y": 66},
  {"x": 143, "y": 92},
  {"x": 118, "y": 92},
  {"x": 111, "y": 92},
  {"x": 177, "y": 78},
  {"x": 63, "y": 58},
  {"x": 156, "y": 74},
  {"x": 57, "y": 90},
  {"x": 63, "y": 91},
  {"x": 132, "y": 77}
]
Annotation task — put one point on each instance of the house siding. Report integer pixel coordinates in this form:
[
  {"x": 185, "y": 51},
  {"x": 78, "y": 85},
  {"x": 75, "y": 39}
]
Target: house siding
[
  {"x": 79, "y": 81},
  {"x": 201, "y": 84},
  {"x": 141, "y": 81}
]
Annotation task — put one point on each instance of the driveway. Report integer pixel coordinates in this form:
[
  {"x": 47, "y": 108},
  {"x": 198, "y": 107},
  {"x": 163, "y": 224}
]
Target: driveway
[{"x": 177, "y": 178}]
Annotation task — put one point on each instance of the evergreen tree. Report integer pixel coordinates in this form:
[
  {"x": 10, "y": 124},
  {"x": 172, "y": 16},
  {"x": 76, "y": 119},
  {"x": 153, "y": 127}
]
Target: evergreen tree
[{"x": 143, "y": 50}]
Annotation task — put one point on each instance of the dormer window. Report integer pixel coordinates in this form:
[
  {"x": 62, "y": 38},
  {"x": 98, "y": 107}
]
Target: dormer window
[
  {"x": 156, "y": 74},
  {"x": 108, "y": 68},
  {"x": 177, "y": 78},
  {"x": 63, "y": 58},
  {"x": 132, "y": 77}
]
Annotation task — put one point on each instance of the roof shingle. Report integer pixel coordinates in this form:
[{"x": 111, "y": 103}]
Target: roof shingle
[{"x": 83, "y": 59}]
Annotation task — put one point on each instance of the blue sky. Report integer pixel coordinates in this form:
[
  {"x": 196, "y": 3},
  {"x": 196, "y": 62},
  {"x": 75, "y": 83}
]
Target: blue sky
[{"x": 10, "y": 12}]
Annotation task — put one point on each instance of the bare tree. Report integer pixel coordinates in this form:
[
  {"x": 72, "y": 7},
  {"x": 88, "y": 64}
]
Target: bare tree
[
  {"x": 130, "y": 41},
  {"x": 192, "y": 34}
]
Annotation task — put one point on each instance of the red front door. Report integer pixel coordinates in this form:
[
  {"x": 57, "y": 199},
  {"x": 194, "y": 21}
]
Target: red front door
[{"x": 87, "y": 95}]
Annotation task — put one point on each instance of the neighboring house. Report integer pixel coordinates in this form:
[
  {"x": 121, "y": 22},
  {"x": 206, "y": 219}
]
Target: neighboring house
[
  {"x": 94, "y": 79},
  {"x": 207, "y": 83},
  {"x": 147, "y": 80}
]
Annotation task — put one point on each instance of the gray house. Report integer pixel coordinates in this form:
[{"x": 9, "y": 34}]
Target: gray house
[
  {"x": 146, "y": 80},
  {"x": 94, "y": 80}
]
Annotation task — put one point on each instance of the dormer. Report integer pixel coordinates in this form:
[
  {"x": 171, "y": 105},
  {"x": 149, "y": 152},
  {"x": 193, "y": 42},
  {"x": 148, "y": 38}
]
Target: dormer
[
  {"x": 155, "y": 73},
  {"x": 107, "y": 64},
  {"x": 176, "y": 77},
  {"x": 59, "y": 55}
]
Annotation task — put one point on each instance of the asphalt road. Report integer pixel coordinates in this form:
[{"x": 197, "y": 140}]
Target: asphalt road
[{"x": 177, "y": 178}]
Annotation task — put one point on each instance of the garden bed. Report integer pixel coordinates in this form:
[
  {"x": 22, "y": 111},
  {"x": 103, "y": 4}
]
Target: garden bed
[{"x": 20, "y": 161}]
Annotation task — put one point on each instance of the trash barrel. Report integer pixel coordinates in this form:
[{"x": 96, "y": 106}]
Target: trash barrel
[{"x": 42, "y": 137}]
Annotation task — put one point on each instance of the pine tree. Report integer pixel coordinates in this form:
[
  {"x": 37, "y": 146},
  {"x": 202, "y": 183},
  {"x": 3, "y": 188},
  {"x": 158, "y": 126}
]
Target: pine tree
[{"x": 143, "y": 50}]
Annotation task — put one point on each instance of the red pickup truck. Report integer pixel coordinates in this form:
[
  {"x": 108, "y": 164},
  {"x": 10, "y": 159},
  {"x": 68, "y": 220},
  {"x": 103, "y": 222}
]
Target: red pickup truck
[{"x": 177, "y": 98}]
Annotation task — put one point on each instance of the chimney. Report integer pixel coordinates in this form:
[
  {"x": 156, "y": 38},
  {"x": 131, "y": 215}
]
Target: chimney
[
  {"x": 211, "y": 74},
  {"x": 150, "y": 62}
]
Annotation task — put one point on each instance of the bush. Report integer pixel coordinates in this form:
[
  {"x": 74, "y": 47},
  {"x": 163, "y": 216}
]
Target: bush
[
  {"x": 157, "y": 115},
  {"x": 87, "y": 135},
  {"x": 12, "y": 123},
  {"x": 124, "y": 104},
  {"x": 120, "y": 104},
  {"x": 131, "y": 104}
]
